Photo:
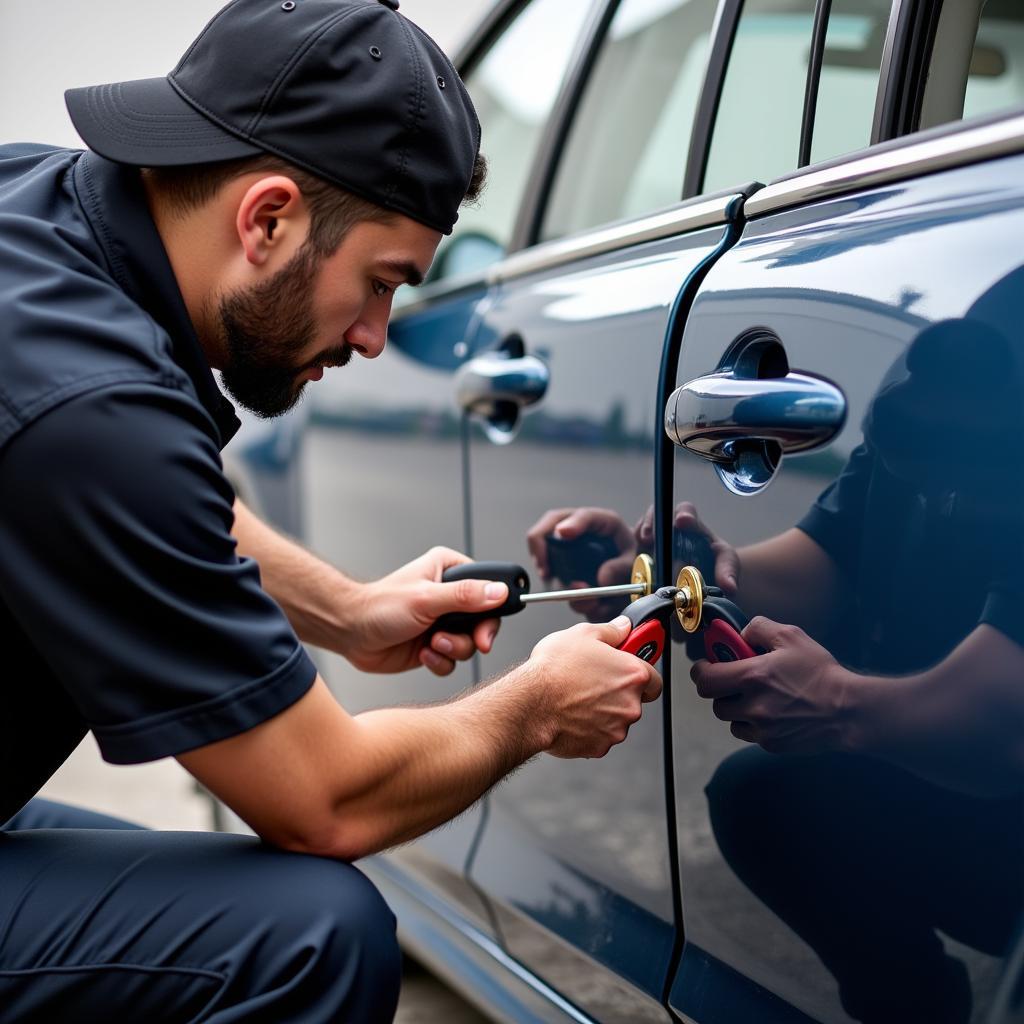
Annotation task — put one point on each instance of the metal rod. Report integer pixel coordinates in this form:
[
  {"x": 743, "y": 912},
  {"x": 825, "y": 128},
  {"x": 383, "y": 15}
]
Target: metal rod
[{"x": 625, "y": 589}]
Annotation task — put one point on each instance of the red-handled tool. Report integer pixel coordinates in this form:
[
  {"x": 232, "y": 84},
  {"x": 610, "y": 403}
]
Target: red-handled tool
[
  {"x": 649, "y": 617},
  {"x": 723, "y": 623}
]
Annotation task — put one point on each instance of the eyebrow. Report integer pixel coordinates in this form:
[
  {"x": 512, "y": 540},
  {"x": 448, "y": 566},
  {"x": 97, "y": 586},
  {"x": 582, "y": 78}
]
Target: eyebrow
[{"x": 404, "y": 269}]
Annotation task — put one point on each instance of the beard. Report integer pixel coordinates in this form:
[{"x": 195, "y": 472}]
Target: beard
[{"x": 264, "y": 328}]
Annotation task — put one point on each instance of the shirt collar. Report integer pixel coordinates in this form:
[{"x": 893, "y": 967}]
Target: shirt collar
[{"x": 115, "y": 201}]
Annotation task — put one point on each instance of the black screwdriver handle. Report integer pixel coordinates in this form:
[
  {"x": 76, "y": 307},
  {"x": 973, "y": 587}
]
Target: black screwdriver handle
[{"x": 515, "y": 577}]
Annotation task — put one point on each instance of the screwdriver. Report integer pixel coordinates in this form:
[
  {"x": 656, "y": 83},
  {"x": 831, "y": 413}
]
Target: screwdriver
[
  {"x": 696, "y": 605},
  {"x": 516, "y": 578}
]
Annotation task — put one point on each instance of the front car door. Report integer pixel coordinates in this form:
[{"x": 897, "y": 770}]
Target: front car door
[{"x": 841, "y": 886}]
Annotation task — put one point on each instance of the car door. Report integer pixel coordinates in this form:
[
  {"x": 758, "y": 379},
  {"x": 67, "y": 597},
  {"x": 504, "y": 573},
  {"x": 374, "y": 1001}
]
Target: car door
[
  {"x": 383, "y": 456},
  {"x": 845, "y": 886},
  {"x": 575, "y": 857}
]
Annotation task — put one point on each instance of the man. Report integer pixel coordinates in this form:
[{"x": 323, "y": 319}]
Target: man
[{"x": 253, "y": 213}]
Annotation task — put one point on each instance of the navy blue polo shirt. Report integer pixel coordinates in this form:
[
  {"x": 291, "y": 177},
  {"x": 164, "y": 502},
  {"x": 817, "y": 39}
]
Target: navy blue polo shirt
[{"x": 124, "y": 607}]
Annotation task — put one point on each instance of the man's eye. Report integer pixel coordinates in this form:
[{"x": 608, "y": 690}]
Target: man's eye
[{"x": 380, "y": 289}]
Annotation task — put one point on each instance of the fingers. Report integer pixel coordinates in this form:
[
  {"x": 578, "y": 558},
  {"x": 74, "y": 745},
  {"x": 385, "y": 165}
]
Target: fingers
[
  {"x": 725, "y": 679},
  {"x": 644, "y": 529},
  {"x": 437, "y": 663},
  {"x": 444, "y": 558},
  {"x": 729, "y": 709},
  {"x": 762, "y": 632},
  {"x": 589, "y": 607},
  {"x": 743, "y": 731},
  {"x": 437, "y": 599},
  {"x": 615, "y": 570},
  {"x": 611, "y": 633},
  {"x": 536, "y": 538},
  {"x": 570, "y": 523},
  {"x": 727, "y": 568},
  {"x": 484, "y": 634},
  {"x": 591, "y": 520},
  {"x": 453, "y": 646},
  {"x": 687, "y": 519},
  {"x": 652, "y": 688}
]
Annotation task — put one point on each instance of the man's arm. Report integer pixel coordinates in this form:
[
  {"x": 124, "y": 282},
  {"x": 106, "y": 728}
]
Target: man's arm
[
  {"x": 380, "y": 626},
  {"x": 319, "y": 780},
  {"x": 959, "y": 724},
  {"x": 792, "y": 579},
  {"x": 311, "y": 592},
  {"x": 788, "y": 577}
]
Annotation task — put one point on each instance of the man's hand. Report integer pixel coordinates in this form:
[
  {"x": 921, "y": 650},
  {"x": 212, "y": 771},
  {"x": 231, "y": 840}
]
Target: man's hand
[
  {"x": 794, "y": 699},
  {"x": 315, "y": 779},
  {"x": 386, "y": 628},
  {"x": 592, "y": 693},
  {"x": 570, "y": 523},
  {"x": 686, "y": 520}
]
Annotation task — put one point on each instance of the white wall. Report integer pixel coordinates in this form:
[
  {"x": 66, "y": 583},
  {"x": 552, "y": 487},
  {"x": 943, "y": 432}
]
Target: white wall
[{"x": 47, "y": 46}]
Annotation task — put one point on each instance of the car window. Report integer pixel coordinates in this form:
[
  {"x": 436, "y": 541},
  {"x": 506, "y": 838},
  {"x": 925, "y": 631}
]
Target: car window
[
  {"x": 977, "y": 64},
  {"x": 848, "y": 83},
  {"x": 995, "y": 79},
  {"x": 514, "y": 87},
  {"x": 757, "y": 131},
  {"x": 626, "y": 151}
]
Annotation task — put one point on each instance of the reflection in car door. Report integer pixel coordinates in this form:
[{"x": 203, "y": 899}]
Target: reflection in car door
[
  {"x": 847, "y": 886},
  {"x": 575, "y": 854}
]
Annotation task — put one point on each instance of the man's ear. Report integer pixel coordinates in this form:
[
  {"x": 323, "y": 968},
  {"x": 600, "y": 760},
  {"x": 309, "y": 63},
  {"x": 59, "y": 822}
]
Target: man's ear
[{"x": 272, "y": 216}]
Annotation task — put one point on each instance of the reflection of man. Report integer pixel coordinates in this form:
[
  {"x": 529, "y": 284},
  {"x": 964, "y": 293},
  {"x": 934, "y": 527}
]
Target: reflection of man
[
  {"x": 909, "y": 568},
  {"x": 125, "y": 608}
]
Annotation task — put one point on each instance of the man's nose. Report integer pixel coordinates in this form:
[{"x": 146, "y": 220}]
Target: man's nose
[{"x": 368, "y": 335}]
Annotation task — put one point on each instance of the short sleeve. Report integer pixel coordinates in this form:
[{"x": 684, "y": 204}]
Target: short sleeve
[
  {"x": 117, "y": 561},
  {"x": 836, "y": 520}
]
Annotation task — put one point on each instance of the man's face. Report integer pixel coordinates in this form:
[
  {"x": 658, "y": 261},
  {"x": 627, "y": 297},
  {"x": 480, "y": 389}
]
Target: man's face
[{"x": 314, "y": 312}]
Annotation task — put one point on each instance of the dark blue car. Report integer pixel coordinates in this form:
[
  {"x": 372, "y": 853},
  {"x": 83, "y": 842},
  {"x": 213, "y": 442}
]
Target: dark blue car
[{"x": 745, "y": 270}]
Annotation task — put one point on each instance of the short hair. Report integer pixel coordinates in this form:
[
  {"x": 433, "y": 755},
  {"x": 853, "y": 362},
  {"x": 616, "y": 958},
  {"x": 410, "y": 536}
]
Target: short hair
[{"x": 333, "y": 210}]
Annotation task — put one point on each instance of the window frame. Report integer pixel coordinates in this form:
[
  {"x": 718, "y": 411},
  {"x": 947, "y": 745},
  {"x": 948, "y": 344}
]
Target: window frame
[
  {"x": 906, "y": 56},
  {"x": 466, "y": 58}
]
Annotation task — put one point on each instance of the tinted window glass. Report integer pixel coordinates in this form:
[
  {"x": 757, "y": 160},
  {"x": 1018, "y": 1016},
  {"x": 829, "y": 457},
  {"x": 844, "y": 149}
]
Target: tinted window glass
[
  {"x": 757, "y": 131},
  {"x": 977, "y": 64},
  {"x": 514, "y": 88},
  {"x": 995, "y": 80},
  {"x": 626, "y": 151},
  {"x": 849, "y": 77}
]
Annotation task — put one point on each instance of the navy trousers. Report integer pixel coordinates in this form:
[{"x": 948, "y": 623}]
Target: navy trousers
[
  {"x": 865, "y": 862},
  {"x": 101, "y": 920}
]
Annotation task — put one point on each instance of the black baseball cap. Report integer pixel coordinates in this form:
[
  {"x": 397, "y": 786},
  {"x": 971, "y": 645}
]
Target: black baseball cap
[{"x": 350, "y": 90}]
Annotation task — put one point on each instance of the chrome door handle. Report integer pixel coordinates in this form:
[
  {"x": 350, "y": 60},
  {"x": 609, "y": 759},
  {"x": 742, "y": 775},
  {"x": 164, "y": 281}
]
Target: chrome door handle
[
  {"x": 496, "y": 386},
  {"x": 745, "y": 425}
]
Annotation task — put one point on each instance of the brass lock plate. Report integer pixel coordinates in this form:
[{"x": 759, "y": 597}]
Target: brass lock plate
[
  {"x": 690, "y": 599},
  {"x": 643, "y": 572}
]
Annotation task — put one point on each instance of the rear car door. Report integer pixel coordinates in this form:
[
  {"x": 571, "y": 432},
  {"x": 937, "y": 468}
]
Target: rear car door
[
  {"x": 384, "y": 462},
  {"x": 839, "y": 886}
]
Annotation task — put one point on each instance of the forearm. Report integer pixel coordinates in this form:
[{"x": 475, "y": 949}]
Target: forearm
[
  {"x": 959, "y": 724},
  {"x": 318, "y": 780},
  {"x": 430, "y": 764},
  {"x": 309, "y": 590},
  {"x": 790, "y": 578}
]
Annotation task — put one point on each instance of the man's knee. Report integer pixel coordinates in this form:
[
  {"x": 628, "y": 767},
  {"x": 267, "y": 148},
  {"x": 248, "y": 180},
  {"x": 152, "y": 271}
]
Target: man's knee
[
  {"x": 740, "y": 798},
  {"x": 337, "y": 925}
]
